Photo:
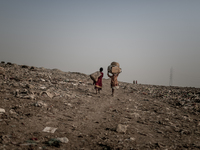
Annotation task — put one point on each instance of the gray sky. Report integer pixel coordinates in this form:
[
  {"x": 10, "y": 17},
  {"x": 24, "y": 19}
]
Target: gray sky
[{"x": 147, "y": 37}]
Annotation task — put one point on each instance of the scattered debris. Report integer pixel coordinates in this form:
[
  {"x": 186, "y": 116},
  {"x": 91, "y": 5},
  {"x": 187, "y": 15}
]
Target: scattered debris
[
  {"x": 2, "y": 111},
  {"x": 35, "y": 100},
  {"x": 40, "y": 104},
  {"x": 49, "y": 129},
  {"x": 63, "y": 139},
  {"x": 121, "y": 128},
  {"x": 53, "y": 142}
]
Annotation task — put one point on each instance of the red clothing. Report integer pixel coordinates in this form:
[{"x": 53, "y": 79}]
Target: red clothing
[{"x": 98, "y": 84}]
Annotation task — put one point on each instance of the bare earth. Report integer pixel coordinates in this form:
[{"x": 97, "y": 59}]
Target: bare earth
[{"x": 137, "y": 117}]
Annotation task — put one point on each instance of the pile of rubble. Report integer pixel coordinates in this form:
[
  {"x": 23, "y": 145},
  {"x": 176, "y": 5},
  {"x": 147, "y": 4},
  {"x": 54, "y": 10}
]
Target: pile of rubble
[
  {"x": 187, "y": 98},
  {"x": 35, "y": 85},
  {"x": 32, "y": 82},
  {"x": 47, "y": 108}
]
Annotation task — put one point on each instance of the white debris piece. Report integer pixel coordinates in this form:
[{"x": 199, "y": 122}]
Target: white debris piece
[
  {"x": 63, "y": 139},
  {"x": 2, "y": 111},
  {"x": 49, "y": 129}
]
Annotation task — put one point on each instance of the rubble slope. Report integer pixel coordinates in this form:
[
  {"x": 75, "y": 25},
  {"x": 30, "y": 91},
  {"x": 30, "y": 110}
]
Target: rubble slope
[{"x": 137, "y": 117}]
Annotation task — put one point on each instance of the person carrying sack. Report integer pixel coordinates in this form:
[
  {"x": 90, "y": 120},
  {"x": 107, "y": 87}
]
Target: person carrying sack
[
  {"x": 98, "y": 83},
  {"x": 114, "y": 83},
  {"x": 115, "y": 70}
]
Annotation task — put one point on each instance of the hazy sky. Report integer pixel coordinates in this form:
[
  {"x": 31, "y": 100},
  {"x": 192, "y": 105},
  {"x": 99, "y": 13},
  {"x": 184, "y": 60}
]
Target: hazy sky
[{"x": 147, "y": 37}]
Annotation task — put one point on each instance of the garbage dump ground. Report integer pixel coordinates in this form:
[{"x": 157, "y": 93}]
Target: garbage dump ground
[{"x": 48, "y": 109}]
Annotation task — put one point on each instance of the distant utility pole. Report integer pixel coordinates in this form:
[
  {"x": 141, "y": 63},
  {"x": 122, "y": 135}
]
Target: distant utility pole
[{"x": 171, "y": 76}]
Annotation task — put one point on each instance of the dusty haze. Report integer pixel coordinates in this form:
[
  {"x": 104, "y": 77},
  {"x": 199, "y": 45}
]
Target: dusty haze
[{"x": 147, "y": 38}]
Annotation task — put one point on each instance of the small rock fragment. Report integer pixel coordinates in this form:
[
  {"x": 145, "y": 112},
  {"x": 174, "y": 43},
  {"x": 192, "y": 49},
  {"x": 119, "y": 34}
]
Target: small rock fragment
[
  {"x": 121, "y": 128},
  {"x": 63, "y": 139},
  {"x": 2, "y": 111}
]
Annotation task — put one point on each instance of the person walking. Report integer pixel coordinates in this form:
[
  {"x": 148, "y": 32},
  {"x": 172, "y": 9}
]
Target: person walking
[
  {"x": 114, "y": 83},
  {"x": 98, "y": 84}
]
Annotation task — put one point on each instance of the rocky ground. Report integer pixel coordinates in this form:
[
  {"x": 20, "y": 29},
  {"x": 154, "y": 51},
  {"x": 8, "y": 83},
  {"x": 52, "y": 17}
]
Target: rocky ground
[{"x": 137, "y": 117}]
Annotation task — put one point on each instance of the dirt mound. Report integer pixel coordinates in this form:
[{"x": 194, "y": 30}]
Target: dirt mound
[{"x": 51, "y": 109}]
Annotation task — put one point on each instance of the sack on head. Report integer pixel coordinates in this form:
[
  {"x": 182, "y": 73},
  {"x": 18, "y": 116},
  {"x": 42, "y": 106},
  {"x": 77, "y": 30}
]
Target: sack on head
[
  {"x": 114, "y": 68},
  {"x": 115, "y": 64}
]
